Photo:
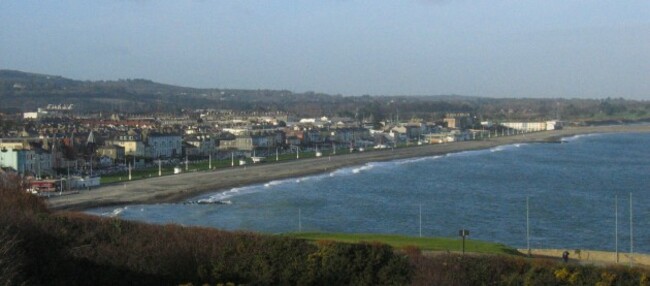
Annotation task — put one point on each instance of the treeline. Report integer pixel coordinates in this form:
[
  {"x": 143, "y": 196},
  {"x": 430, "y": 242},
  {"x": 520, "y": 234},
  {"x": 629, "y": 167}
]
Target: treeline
[{"x": 38, "y": 247}]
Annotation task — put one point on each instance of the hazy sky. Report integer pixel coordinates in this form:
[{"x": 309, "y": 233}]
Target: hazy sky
[{"x": 496, "y": 48}]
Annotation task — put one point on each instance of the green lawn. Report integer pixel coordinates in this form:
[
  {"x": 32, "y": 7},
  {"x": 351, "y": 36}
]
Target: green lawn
[
  {"x": 138, "y": 174},
  {"x": 424, "y": 243}
]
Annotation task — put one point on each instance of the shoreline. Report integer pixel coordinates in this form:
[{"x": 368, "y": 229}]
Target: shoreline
[{"x": 176, "y": 188}]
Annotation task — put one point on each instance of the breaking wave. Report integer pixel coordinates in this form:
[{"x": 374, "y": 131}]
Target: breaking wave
[
  {"x": 115, "y": 213},
  {"x": 226, "y": 196}
]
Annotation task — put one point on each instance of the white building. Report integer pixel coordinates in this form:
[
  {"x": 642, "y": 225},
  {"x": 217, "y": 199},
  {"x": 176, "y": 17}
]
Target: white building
[
  {"x": 533, "y": 126},
  {"x": 165, "y": 145}
]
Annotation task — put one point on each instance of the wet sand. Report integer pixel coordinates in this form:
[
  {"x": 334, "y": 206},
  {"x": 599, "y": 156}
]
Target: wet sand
[{"x": 180, "y": 187}]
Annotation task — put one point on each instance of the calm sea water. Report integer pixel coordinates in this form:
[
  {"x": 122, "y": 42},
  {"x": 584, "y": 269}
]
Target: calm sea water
[{"x": 571, "y": 189}]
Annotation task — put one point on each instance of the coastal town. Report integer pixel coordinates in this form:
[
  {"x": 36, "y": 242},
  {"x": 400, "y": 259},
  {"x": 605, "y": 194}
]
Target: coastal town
[
  {"x": 57, "y": 149},
  {"x": 360, "y": 143}
]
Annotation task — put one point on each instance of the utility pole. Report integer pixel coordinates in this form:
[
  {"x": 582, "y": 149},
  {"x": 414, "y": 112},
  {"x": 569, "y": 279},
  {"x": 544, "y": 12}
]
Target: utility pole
[
  {"x": 463, "y": 233},
  {"x": 616, "y": 225},
  {"x": 631, "y": 231},
  {"x": 528, "y": 225},
  {"x": 420, "y": 220}
]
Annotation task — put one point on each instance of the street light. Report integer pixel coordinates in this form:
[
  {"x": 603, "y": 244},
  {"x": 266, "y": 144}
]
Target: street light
[{"x": 463, "y": 233}]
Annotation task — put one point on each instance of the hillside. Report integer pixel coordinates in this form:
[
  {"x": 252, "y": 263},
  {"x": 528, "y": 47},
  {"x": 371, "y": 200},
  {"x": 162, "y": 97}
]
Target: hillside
[{"x": 22, "y": 91}]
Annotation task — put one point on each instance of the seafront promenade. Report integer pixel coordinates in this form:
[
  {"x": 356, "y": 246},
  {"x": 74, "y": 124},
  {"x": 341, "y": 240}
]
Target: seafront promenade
[{"x": 176, "y": 188}]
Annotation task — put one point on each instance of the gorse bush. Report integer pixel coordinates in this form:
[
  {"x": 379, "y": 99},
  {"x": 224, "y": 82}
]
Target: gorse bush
[
  {"x": 11, "y": 259},
  {"x": 356, "y": 264},
  {"x": 455, "y": 269},
  {"x": 44, "y": 248}
]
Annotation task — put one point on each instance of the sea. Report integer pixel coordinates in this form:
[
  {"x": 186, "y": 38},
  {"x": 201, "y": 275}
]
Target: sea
[{"x": 587, "y": 192}]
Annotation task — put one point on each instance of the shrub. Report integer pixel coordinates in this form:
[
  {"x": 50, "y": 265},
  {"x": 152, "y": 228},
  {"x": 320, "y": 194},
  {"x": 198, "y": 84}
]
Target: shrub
[
  {"x": 356, "y": 264},
  {"x": 11, "y": 259}
]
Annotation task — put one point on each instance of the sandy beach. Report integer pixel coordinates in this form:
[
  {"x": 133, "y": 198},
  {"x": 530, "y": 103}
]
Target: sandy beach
[{"x": 179, "y": 187}]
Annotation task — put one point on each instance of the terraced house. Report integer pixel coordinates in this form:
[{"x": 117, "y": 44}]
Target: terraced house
[{"x": 164, "y": 145}]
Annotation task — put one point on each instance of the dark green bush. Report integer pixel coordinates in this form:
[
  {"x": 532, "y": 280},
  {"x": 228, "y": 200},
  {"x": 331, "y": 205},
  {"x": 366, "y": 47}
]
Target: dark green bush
[{"x": 79, "y": 249}]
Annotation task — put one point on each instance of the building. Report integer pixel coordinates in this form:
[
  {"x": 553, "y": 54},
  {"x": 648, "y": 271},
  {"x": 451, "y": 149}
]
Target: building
[
  {"x": 202, "y": 145},
  {"x": 132, "y": 144},
  {"x": 165, "y": 145},
  {"x": 115, "y": 152},
  {"x": 533, "y": 126},
  {"x": 458, "y": 120},
  {"x": 243, "y": 143},
  {"x": 27, "y": 161}
]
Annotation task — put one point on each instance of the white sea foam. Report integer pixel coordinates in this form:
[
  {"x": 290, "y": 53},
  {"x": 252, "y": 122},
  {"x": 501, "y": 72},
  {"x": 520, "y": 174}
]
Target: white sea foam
[
  {"x": 347, "y": 171},
  {"x": 363, "y": 168},
  {"x": 415, "y": 160},
  {"x": 115, "y": 213},
  {"x": 576, "y": 137},
  {"x": 223, "y": 196},
  {"x": 496, "y": 149},
  {"x": 467, "y": 153},
  {"x": 507, "y": 147},
  {"x": 276, "y": 183}
]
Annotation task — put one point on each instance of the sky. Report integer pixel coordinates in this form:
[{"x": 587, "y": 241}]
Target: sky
[{"x": 488, "y": 48}]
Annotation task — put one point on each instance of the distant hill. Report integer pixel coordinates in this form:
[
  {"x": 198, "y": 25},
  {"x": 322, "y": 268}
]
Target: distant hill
[
  {"x": 23, "y": 91},
  {"x": 27, "y": 91}
]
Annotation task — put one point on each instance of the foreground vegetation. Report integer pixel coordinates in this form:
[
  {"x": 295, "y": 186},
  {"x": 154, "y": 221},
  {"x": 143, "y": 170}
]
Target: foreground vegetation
[
  {"x": 44, "y": 248},
  {"x": 38, "y": 247}
]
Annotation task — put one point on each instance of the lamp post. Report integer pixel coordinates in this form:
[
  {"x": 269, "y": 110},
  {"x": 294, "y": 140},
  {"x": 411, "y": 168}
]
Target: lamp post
[
  {"x": 631, "y": 232},
  {"x": 463, "y": 233},
  {"x": 527, "y": 226},
  {"x": 616, "y": 225},
  {"x": 420, "y": 220},
  {"x": 299, "y": 221}
]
